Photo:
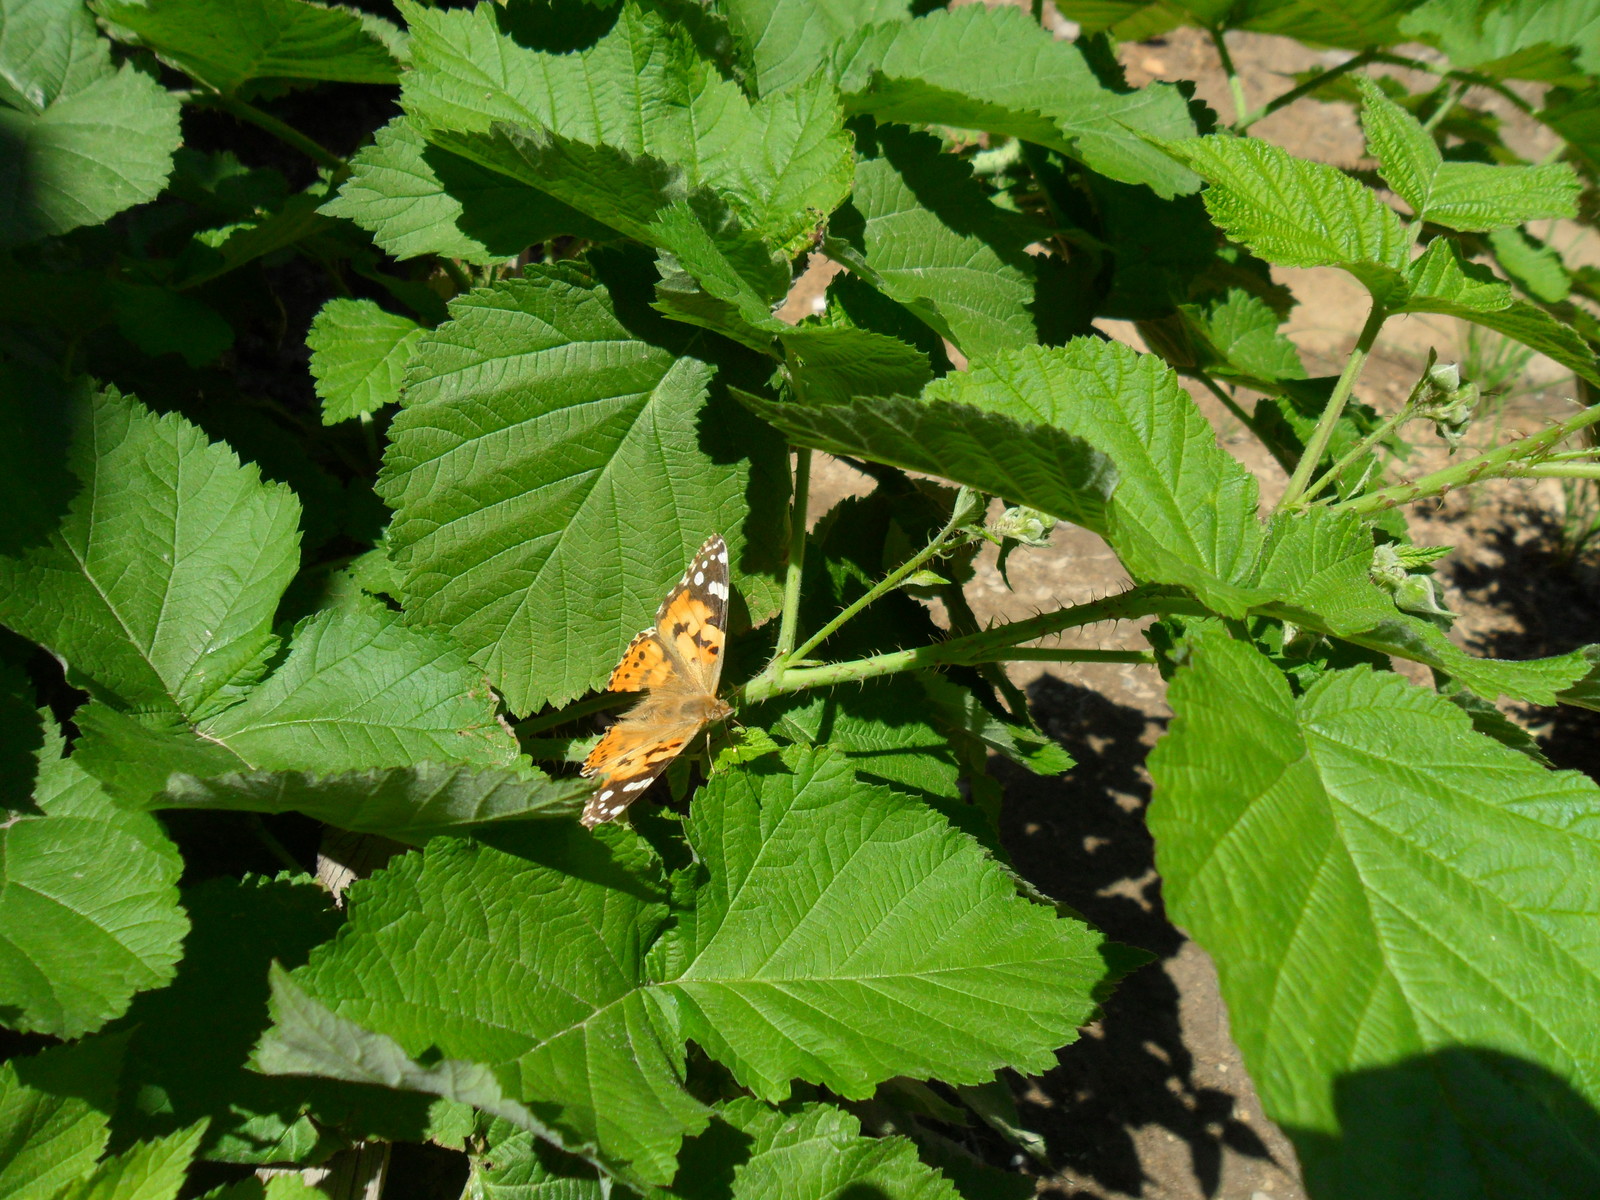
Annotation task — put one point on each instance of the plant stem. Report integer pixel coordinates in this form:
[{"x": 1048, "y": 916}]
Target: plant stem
[
  {"x": 1331, "y": 475},
  {"x": 1452, "y": 98},
  {"x": 1061, "y": 654},
  {"x": 1304, "y": 89},
  {"x": 1564, "y": 470},
  {"x": 278, "y": 129},
  {"x": 1235, "y": 84},
  {"x": 1292, "y": 496},
  {"x": 992, "y": 645},
  {"x": 1501, "y": 462},
  {"x": 789, "y": 623},
  {"x": 457, "y": 273},
  {"x": 959, "y": 515}
]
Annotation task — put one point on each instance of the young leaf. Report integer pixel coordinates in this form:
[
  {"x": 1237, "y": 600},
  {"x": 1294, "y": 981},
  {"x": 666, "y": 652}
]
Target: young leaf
[
  {"x": 158, "y": 583},
  {"x": 549, "y": 984},
  {"x": 935, "y": 967},
  {"x": 1465, "y": 196},
  {"x": 541, "y": 426},
  {"x": 92, "y": 153},
  {"x": 785, "y": 39},
  {"x": 810, "y": 1152},
  {"x": 919, "y": 229},
  {"x": 227, "y": 45},
  {"x": 418, "y": 199},
  {"x": 1452, "y": 881},
  {"x": 998, "y": 70},
  {"x": 53, "y": 1111},
  {"x": 1297, "y": 213},
  {"x": 409, "y": 804},
  {"x": 514, "y": 1164},
  {"x": 88, "y": 904},
  {"x": 358, "y": 357}
]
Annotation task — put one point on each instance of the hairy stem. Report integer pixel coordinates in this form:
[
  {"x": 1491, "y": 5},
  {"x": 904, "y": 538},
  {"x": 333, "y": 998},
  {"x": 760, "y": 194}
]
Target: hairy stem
[
  {"x": 1235, "y": 84},
  {"x": 1292, "y": 496},
  {"x": 1302, "y": 90},
  {"x": 789, "y": 622},
  {"x": 1506, "y": 461},
  {"x": 1331, "y": 475}
]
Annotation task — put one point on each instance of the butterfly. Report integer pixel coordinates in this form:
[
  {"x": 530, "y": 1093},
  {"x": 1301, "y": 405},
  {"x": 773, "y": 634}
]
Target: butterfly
[{"x": 677, "y": 662}]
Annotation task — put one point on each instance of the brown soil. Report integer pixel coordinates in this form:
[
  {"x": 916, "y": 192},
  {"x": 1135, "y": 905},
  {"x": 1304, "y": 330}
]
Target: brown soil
[{"x": 1153, "y": 1101}]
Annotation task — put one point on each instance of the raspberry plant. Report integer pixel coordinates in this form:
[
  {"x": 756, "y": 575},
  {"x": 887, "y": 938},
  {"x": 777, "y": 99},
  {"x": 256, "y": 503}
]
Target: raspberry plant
[{"x": 539, "y": 298}]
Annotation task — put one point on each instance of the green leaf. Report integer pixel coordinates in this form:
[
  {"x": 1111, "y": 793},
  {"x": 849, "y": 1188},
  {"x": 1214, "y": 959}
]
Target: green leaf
[
  {"x": 409, "y": 804},
  {"x": 548, "y": 984},
  {"x": 934, "y": 968},
  {"x": 642, "y": 90},
  {"x": 358, "y": 357},
  {"x": 1465, "y": 196},
  {"x": 555, "y": 466},
  {"x": 227, "y": 45},
  {"x": 147, "y": 1171},
  {"x": 514, "y": 1164},
  {"x": 53, "y": 1111},
  {"x": 1350, "y": 25},
  {"x": 961, "y": 709},
  {"x": 1536, "y": 267},
  {"x": 809, "y": 1152},
  {"x": 785, "y": 39},
  {"x": 418, "y": 199},
  {"x": 1297, "y": 213},
  {"x": 360, "y": 689},
  {"x": 1318, "y": 564},
  {"x": 48, "y": 49},
  {"x": 92, "y": 153},
  {"x": 158, "y": 584},
  {"x": 1441, "y": 282},
  {"x": 1554, "y": 41},
  {"x": 919, "y": 229},
  {"x": 998, "y": 70},
  {"x": 1452, "y": 881},
  {"x": 88, "y": 904}
]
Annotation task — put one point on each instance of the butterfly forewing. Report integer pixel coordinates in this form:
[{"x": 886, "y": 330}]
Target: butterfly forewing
[{"x": 692, "y": 620}]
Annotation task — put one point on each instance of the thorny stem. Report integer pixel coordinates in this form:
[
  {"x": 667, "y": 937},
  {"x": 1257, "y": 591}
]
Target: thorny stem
[
  {"x": 1304, "y": 89},
  {"x": 992, "y": 645},
  {"x": 1506, "y": 461},
  {"x": 789, "y": 622},
  {"x": 1331, "y": 475},
  {"x": 1235, "y": 84},
  {"x": 1293, "y": 496}
]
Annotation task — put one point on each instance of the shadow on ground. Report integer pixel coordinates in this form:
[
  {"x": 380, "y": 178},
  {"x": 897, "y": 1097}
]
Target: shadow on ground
[{"x": 1082, "y": 838}]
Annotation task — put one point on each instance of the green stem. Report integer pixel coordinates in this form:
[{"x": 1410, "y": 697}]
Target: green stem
[
  {"x": 1292, "y": 496},
  {"x": 966, "y": 503},
  {"x": 1302, "y": 90},
  {"x": 1331, "y": 475},
  {"x": 789, "y": 623},
  {"x": 1450, "y": 101},
  {"x": 1235, "y": 84},
  {"x": 278, "y": 129},
  {"x": 1246, "y": 419},
  {"x": 1501, "y": 462},
  {"x": 457, "y": 273},
  {"x": 963, "y": 623},
  {"x": 992, "y": 645},
  {"x": 1565, "y": 470},
  {"x": 1060, "y": 654}
]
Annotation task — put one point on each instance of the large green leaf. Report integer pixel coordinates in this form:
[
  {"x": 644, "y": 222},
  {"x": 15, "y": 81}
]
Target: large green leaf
[
  {"x": 1467, "y": 196},
  {"x": 418, "y": 199},
  {"x": 93, "y": 152},
  {"x": 644, "y": 90},
  {"x": 933, "y": 967},
  {"x": 921, "y": 230},
  {"x": 158, "y": 584},
  {"x": 1297, "y": 213},
  {"x": 53, "y": 1113},
  {"x": 1403, "y": 915},
  {"x": 996, "y": 69},
  {"x": 145, "y": 1171},
  {"x": 545, "y": 971},
  {"x": 88, "y": 904},
  {"x": 555, "y": 466},
  {"x": 227, "y": 45}
]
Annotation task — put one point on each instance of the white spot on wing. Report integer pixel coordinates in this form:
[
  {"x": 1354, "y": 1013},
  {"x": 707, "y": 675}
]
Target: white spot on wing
[
  {"x": 699, "y": 578},
  {"x": 718, "y": 589},
  {"x": 636, "y": 786}
]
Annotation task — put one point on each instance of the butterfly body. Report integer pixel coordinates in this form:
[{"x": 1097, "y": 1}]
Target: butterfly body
[{"x": 677, "y": 663}]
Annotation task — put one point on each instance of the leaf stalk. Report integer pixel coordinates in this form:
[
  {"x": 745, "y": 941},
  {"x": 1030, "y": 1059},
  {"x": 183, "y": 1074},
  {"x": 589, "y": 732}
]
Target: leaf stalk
[{"x": 1294, "y": 496}]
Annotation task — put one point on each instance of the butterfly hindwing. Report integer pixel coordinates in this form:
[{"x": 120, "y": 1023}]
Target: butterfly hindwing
[{"x": 629, "y": 757}]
